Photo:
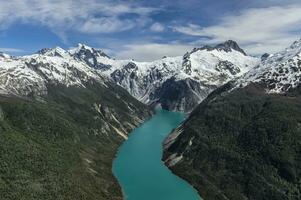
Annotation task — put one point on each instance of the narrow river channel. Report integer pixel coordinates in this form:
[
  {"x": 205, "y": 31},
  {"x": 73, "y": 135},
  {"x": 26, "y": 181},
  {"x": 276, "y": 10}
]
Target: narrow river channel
[{"x": 138, "y": 166}]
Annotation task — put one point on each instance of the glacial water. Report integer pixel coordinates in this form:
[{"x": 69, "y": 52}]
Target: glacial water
[{"x": 138, "y": 166}]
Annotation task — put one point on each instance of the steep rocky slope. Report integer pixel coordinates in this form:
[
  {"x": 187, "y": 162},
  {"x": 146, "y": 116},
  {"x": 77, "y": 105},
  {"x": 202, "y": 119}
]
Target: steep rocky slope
[{"x": 244, "y": 140}]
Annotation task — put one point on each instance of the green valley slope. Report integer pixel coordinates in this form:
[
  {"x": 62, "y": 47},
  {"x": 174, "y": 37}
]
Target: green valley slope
[
  {"x": 245, "y": 144},
  {"x": 61, "y": 146}
]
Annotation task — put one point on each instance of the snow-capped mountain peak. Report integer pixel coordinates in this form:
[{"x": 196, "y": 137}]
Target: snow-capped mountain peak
[
  {"x": 82, "y": 50},
  {"x": 4, "y": 55},
  {"x": 227, "y": 46},
  {"x": 30, "y": 75},
  {"x": 57, "y": 51},
  {"x": 83, "y": 46},
  {"x": 278, "y": 72},
  {"x": 91, "y": 56},
  {"x": 296, "y": 45}
]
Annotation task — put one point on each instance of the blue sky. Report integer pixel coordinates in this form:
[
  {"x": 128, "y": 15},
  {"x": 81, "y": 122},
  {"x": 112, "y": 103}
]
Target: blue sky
[{"x": 148, "y": 29}]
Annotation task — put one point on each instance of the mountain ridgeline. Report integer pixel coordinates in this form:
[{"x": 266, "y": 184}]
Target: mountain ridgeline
[
  {"x": 174, "y": 83},
  {"x": 244, "y": 140},
  {"x": 180, "y": 83}
]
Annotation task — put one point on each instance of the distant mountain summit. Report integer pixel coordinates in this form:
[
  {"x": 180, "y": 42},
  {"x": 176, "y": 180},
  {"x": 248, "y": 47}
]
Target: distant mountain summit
[
  {"x": 88, "y": 55},
  {"x": 4, "y": 55},
  {"x": 84, "y": 51},
  {"x": 57, "y": 51},
  {"x": 227, "y": 46}
]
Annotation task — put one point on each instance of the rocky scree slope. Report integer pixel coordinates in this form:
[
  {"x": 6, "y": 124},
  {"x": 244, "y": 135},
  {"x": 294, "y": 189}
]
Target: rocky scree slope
[{"x": 244, "y": 140}]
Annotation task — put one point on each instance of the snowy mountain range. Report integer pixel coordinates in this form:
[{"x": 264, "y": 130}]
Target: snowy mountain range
[
  {"x": 278, "y": 73},
  {"x": 29, "y": 75},
  {"x": 175, "y": 83}
]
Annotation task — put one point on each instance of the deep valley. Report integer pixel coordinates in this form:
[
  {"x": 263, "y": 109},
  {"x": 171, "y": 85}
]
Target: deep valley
[{"x": 65, "y": 113}]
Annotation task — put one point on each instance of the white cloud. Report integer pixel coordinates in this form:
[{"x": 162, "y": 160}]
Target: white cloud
[
  {"x": 152, "y": 51},
  {"x": 259, "y": 30},
  {"x": 106, "y": 25},
  {"x": 11, "y": 50},
  {"x": 157, "y": 27},
  {"x": 88, "y": 16}
]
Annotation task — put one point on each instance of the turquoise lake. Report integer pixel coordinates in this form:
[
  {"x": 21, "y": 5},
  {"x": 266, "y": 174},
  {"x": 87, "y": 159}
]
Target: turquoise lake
[{"x": 138, "y": 166}]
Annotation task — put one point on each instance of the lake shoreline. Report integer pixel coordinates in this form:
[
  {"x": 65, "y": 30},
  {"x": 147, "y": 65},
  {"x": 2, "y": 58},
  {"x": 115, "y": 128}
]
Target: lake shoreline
[{"x": 138, "y": 164}]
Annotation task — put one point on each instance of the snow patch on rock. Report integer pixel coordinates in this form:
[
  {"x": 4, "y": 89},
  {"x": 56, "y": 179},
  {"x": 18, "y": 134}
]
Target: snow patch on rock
[{"x": 278, "y": 72}]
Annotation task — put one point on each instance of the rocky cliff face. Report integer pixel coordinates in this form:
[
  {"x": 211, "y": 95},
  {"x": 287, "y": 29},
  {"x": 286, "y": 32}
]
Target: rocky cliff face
[{"x": 180, "y": 95}]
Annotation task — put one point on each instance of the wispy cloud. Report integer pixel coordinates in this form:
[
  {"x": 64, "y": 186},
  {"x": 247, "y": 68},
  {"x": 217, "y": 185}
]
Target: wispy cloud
[
  {"x": 157, "y": 27},
  {"x": 106, "y": 25},
  {"x": 259, "y": 30},
  {"x": 86, "y": 16},
  {"x": 152, "y": 51},
  {"x": 11, "y": 50}
]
